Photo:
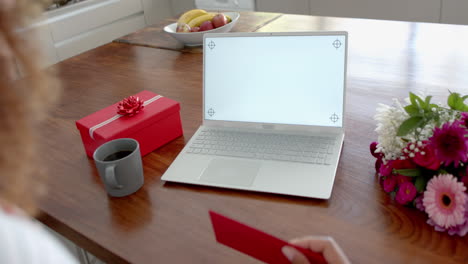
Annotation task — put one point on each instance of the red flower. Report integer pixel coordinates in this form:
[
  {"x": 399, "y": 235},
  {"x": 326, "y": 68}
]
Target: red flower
[
  {"x": 450, "y": 144},
  {"x": 386, "y": 169},
  {"x": 426, "y": 157},
  {"x": 130, "y": 106},
  {"x": 404, "y": 164},
  {"x": 406, "y": 193},
  {"x": 378, "y": 164},
  {"x": 378, "y": 156},
  {"x": 373, "y": 148},
  {"x": 400, "y": 179},
  {"x": 464, "y": 119},
  {"x": 389, "y": 184}
]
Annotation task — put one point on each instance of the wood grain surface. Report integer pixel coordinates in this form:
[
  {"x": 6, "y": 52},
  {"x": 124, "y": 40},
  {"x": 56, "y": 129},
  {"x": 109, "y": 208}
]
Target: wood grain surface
[
  {"x": 166, "y": 222},
  {"x": 154, "y": 36}
]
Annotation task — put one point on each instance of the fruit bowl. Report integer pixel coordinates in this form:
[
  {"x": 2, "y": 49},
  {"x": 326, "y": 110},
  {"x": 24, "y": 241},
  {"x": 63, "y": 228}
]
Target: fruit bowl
[{"x": 196, "y": 38}]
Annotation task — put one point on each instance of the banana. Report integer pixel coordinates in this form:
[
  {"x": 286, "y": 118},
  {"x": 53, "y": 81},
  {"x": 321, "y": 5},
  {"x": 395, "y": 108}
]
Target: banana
[
  {"x": 190, "y": 15},
  {"x": 197, "y": 21}
]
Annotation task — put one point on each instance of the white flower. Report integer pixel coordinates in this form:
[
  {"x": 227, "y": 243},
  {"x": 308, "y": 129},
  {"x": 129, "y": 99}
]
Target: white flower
[{"x": 389, "y": 119}]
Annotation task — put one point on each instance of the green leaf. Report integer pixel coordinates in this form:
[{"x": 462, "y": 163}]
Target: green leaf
[
  {"x": 409, "y": 172},
  {"x": 442, "y": 171},
  {"x": 412, "y": 98},
  {"x": 409, "y": 125},
  {"x": 421, "y": 102},
  {"x": 456, "y": 102},
  {"x": 452, "y": 100},
  {"x": 428, "y": 99},
  {"x": 412, "y": 110},
  {"x": 433, "y": 106},
  {"x": 420, "y": 183},
  {"x": 416, "y": 100},
  {"x": 427, "y": 103}
]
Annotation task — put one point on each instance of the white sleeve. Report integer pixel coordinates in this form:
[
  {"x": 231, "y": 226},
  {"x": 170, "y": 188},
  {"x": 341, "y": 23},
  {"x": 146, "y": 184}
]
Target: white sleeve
[{"x": 24, "y": 242}]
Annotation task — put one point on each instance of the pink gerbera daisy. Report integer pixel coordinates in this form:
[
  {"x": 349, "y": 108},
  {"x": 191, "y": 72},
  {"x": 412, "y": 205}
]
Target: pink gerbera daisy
[
  {"x": 449, "y": 143},
  {"x": 444, "y": 200},
  {"x": 460, "y": 230}
]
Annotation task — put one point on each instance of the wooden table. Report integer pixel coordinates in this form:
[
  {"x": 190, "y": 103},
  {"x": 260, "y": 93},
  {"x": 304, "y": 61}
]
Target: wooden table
[{"x": 166, "y": 222}]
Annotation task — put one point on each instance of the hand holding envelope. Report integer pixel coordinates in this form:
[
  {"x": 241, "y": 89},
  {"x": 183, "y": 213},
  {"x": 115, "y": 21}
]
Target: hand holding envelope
[
  {"x": 332, "y": 253},
  {"x": 270, "y": 249}
]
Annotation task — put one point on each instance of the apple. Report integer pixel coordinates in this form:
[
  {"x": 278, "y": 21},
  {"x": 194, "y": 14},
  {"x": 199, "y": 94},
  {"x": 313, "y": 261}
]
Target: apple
[
  {"x": 207, "y": 25},
  {"x": 219, "y": 20},
  {"x": 195, "y": 29}
]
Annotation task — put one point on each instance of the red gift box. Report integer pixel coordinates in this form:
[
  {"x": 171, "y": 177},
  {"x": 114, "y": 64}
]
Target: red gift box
[{"x": 153, "y": 126}]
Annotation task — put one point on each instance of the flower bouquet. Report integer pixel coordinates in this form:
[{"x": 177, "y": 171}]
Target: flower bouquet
[{"x": 422, "y": 158}]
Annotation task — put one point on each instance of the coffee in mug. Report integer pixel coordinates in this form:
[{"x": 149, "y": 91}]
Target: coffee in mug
[
  {"x": 119, "y": 166},
  {"x": 118, "y": 155}
]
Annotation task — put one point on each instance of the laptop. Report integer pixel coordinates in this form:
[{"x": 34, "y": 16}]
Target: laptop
[{"x": 273, "y": 108}]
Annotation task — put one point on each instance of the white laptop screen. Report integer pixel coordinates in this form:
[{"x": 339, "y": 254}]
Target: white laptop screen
[{"x": 284, "y": 79}]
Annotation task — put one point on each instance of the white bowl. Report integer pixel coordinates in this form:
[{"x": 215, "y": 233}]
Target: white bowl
[{"x": 196, "y": 38}]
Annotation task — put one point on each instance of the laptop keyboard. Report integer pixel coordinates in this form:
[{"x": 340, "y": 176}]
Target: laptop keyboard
[{"x": 253, "y": 145}]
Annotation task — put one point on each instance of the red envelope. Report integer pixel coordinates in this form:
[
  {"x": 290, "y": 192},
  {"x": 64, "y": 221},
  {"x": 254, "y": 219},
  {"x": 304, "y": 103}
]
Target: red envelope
[{"x": 255, "y": 243}]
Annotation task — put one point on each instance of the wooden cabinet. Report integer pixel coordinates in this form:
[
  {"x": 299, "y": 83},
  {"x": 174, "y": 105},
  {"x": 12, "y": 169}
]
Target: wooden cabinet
[
  {"x": 75, "y": 20},
  {"x": 73, "y": 29},
  {"x": 70, "y": 30},
  {"x": 44, "y": 37}
]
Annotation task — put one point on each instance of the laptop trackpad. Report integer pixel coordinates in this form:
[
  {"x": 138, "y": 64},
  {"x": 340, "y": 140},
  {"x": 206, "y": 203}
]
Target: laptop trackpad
[{"x": 231, "y": 172}]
